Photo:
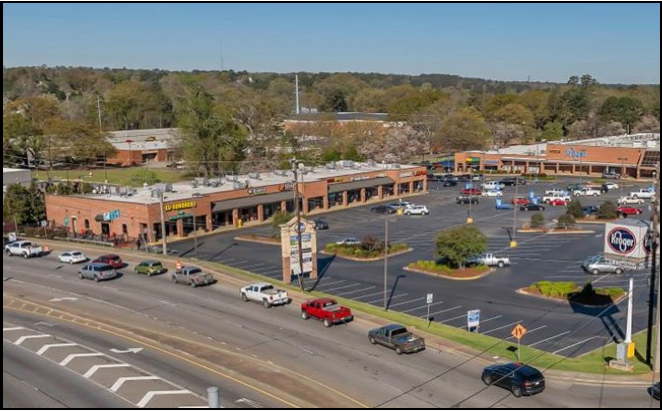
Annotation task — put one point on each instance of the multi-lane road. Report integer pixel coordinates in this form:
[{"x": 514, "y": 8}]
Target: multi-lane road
[{"x": 190, "y": 339}]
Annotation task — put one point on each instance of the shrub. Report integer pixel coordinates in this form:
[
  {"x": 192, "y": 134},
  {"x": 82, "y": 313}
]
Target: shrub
[
  {"x": 144, "y": 176},
  {"x": 397, "y": 247},
  {"x": 537, "y": 220},
  {"x": 457, "y": 245},
  {"x": 575, "y": 209},
  {"x": 565, "y": 221},
  {"x": 607, "y": 211}
]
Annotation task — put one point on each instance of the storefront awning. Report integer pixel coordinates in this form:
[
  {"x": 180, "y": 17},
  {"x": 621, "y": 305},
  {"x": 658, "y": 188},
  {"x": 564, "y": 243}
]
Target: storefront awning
[
  {"x": 253, "y": 201},
  {"x": 355, "y": 185}
]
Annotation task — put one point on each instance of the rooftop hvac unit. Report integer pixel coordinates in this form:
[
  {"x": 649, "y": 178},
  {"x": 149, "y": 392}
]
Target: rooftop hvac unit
[
  {"x": 194, "y": 184},
  {"x": 254, "y": 176},
  {"x": 131, "y": 191},
  {"x": 196, "y": 195},
  {"x": 168, "y": 187},
  {"x": 331, "y": 166},
  {"x": 155, "y": 193},
  {"x": 309, "y": 169},
  {"x": 372, "y": 163},
  {"x": 238, "y": 186},
  {"x": 232, "y": 178},
  {"x": 123, "y": 191},
  {"x": 347, "y": 164},
  {"x": 114, "y": 190},
  {"x": 281, "y": 173},
  {"x": 215, "y": 182}
]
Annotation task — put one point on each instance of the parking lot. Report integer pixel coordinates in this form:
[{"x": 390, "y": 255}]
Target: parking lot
[{"x": 561, "y": 328}]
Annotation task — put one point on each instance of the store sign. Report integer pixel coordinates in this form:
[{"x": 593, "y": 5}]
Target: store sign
[
  {"x": 180, "y": 206},
  {"x": 575, "y": 154},
  {"x": 257, "y": 191},
  {"x": 359, "y": 178},
  {"x": 406, "y": 174},
  {"x": 112, "y": 215},
  {"x": 286, "y": 187},
  {"x": 180, "y": 216},
  {"x": 621, "y": 240},
  {"x": 335, "y": 180}
]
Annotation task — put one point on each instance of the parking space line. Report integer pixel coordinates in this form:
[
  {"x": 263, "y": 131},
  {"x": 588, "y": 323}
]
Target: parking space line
[
  {"x": 120, "y": 381},
  {"x": 423, "y": 306},
  {"x": 530, "y": 331},
  {"x": 96, "y": 368},
  {"x": 547, "y": 339},
  {"x": 21, "y": 340},
  {"x": 406, "y": 302},
  {"x": 576, "y": 344},
  {"x": 357, "y": 291},
  {"x": 340, "y": 288},
  {"x": 442, "y": 311},
  {"x": 490, "y": 319},
  {"x": 47, "y": 347},
  {"x": 369, "y": 295},
  {"x": 333, "y": 283},
  {"x": 12, "y": 329},
  {"x": 389, "y": 297},
  {"x": 72, "y": 357},
  {"x": 148, "y": 397},
  {"x": 453, "y": 319},
  {"x": 502, "y": 327}
]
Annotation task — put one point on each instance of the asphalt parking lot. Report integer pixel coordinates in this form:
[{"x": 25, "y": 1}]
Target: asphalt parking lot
[{"x": 560, "y": 328}]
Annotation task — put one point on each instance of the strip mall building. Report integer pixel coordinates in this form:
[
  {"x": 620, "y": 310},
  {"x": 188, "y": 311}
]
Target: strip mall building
[
  {"x": 633, "y": 156},
  {"x": 207, "y": 205}
]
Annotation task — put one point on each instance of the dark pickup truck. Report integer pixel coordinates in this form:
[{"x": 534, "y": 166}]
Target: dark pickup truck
[{"x": 398, "y": 338}]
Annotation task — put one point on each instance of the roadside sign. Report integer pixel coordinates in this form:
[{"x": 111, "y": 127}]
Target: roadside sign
[
  {"x": 179, "y": 264},
  {"x": 473, "y": 320},
  {"x": 430, "y": 298},
  {"x": 519, "y": 331}
]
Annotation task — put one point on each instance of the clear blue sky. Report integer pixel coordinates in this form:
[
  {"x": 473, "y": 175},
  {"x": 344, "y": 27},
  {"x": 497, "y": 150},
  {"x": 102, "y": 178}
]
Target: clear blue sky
[{"x": 616, "y": 43}]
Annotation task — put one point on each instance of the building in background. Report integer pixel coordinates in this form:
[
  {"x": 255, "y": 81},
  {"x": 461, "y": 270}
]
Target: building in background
[
  {"x": 15, "y": 176},
  {"x": 144, "y": 146}
]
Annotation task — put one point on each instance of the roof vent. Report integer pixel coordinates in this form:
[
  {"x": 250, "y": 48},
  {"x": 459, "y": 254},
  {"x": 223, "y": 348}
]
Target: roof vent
[
  {"x": 232, "y": 178},
  {"x": 254, "y": 176}
]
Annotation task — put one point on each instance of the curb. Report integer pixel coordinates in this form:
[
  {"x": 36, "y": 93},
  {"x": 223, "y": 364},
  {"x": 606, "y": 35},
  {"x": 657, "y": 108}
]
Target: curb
[
  {"x": 254, "y": 240},
  {"x": 366, "y": 260},
  {"x": 522, "y": 291},
  {"x": 486, "y": 273}
]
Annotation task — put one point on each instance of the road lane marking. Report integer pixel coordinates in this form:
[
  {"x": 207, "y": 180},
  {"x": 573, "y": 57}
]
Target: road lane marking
[
  {"x": 148, "y": 397},
  {"x": 12, "y": 329},
  {"x": 96, "y": 368},
  {"x": 21, "y": 340},
  {"x": 47, "y": 347},
  {"x": 72, "y": 357},
  {"x": 340, "y": 288},
  {"x": 530, "y": 331},
  {"x": 490, "y": 319},
  {"x": 547, "y": 339},
  {"x": 369, "y": 295},
  {"x": 502, "y": 327},
  {"x": 576, "y": 344},
  {"x": 331, "y": 283},
  {"x": 120, "y": 381},
  {"x": 453, "y": 319}
]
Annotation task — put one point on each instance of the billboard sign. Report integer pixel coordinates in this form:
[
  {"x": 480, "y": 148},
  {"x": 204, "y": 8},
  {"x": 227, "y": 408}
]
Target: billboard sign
[{"x": 627, "y": 240}]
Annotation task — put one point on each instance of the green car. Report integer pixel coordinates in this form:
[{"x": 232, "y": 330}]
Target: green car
[{"x": 150, "y": 268}]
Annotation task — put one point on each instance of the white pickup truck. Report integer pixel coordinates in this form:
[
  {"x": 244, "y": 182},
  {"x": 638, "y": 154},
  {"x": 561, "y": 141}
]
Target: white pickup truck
[
  {"x": 265, "y": 294},
  {"x": 643, "y": 193},
  {"x": 630, "y": 200},
  {"x": 587, "y": 191},
  {"x": 549, "y": 198},
  {"x": 490, "y": 260},
  {"x": 25, "y": 249}
]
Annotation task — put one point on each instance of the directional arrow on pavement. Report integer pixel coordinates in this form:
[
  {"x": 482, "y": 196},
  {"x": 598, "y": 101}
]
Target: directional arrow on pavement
[
  {"x": 57, "y": 300},
  {"x": 127, "y": 351}
]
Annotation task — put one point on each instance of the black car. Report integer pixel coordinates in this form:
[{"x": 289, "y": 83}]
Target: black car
[
  {"x": 512, "y": 181},
  {"x": 449, "y": 183},
  {"x": 518, "y": 378},
  {"x": 611, "y": 176},
  {"x": 531, "y": 207},
  {"x": 655, "y": 391},
  {"x": 320, "y": 224},
  {"x": 466, "y": 199},
  {"x": 590, "y": 210},
  {"x": 383, "y": 209}
]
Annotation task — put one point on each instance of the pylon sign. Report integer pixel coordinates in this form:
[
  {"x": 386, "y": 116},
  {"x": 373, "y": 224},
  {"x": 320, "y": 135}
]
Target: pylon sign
[{"x": 290, "y": 233}]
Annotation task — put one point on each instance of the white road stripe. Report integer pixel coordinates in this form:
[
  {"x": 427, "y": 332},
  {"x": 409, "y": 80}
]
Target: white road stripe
[
  {"x": 406, "y": 302},
  {"x": 490, "y": 319},
  {"x": 12, "y": 329},
  {"x": 576, "y": 344},
  {"x": 331, "y": 283},
  {"x": 21, "y": 340},
  {"x": 453, "y": 319},
  {"x": 148, "y": 397},
  {"x": 389, "y": 297},
  {"x": 120, "y": 381},
  {"x": 357, "y": 291},
  {"x": 367, "y": 295},
  {"x": 47, "y": 347},
  {"x": 547, "y": 339},
  {"x": 96, "y": 368},
  {"x": 74, "y": 356},
  {"x": 502, "y": 327},
  {"x": 340, "y": 288},
  {"x": 442, "y": 311},
  {"x": 423, "y": 306}
]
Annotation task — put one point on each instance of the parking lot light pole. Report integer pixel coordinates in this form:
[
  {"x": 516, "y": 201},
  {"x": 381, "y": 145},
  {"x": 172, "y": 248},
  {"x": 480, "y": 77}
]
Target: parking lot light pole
[
  {"x": 470, "y": 218},
  {"x": 164, "y": 238},
  {"x": 513, "y": 242},
  {"x": 385, "y": 262}
]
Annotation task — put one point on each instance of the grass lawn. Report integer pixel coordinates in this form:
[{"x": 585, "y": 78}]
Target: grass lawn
[{"x": 120, "y": 176}]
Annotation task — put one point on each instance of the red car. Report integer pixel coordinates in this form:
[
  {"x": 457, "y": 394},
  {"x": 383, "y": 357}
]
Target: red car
[
  {"x": 625, "y": 210},
  {"x": 327, "y": 310},
  {"x": 558, "y": 202},
  {"x": 112, "y": 260},
  {"x": 471, "y": 192},
  {"x": 521, "y": 201}
]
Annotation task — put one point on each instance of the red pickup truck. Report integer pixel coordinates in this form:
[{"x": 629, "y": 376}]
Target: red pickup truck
[{"x": 327, "y": 310}]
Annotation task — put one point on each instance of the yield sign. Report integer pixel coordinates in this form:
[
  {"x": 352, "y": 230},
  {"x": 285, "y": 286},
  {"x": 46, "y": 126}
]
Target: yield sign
[{"x": 519, "y": 331}]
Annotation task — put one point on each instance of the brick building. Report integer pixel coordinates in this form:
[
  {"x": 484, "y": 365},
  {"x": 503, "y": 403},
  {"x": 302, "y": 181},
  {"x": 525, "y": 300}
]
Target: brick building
[
  {"x": 207, "y": 205},
  {"x": 143, "y": 146}
]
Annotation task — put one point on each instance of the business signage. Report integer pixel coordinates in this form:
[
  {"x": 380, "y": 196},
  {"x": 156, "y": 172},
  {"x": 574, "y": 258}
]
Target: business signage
[
  {"x": 257, "y": 191},
  {"x": 406, "y": 174},
  {"x": 627, "y": 240},
  {"x": 291, "y": 235},
  {"x": 359, "y": 178},
  {"x": 575, "y": 154},
  {"x": 473, "y": 320},
  {"x": 286, "y": 187},
  {"x": 111, "y": 215},
  {"x": 335, "y": 180},
  {"x": 180, "y": 206},
  {"x": 621, "y": 240}
]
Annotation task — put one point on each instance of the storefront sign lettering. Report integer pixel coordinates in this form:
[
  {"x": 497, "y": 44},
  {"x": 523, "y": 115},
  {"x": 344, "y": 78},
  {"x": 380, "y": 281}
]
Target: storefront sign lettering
[
  {"x": 335, "y": 180},
  {"x": 286, "y": 187},
  {"x": 406, "y": 174},
  {"x": 180, "y": 206},
  {"x": 360, "y": 178},
  {"x": 574, "y": 154},
  {"x": 111, "y": 215},
  {"x": 257, "y": 191},
  {"x": 622, "y": 240}
]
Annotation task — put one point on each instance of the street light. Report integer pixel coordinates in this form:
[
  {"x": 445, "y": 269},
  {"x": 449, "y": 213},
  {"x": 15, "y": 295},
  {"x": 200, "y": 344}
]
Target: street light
[
  {"x": 622, "y": 160},
  {"x": 129, "y": 141},
  {"x": 386, "y": 221},
  {"x": 513, "y": 242},
  {"x": 470, "y": 218}
]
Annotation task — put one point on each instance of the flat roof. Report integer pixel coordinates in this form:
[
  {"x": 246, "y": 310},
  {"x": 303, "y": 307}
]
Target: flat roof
[
  {"x": 185, "y": 190},
  {"x": 14, "y": 170}
]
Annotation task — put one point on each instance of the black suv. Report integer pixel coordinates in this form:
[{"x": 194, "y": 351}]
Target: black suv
[
  {"x": 467, "y": 200},
  {"x": 512, "y": 181},
  {"x": 520, "y": 379},
  {"x": 383, "y": 209},
  {"x": 320, "y": 224}
]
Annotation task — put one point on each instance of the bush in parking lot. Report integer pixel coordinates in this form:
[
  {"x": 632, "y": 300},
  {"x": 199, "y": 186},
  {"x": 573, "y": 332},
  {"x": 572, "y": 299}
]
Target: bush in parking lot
[
  {"x": 575, "y": 209},
  {"x": 279, "y": 218},
  {"x": 457, "y": 245},
  {"x": 366, "y": 250},
  {"x": 565, "y": 221},
  {"x": 607, "y": 211},
  {"x": 537, "y": 220},
  {"x": 558, "y": 289}
]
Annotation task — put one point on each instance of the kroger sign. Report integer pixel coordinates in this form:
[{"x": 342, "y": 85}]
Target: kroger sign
[{"x": 622, "y": 240}]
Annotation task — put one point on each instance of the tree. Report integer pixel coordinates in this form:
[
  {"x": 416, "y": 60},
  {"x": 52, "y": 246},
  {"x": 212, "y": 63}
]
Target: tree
[
  {"x": 465, "y": 130},
  {"x": 74, "y": 139},
  {"x": 625, "y": 110},
  {"x": 552, "y": 131},
  {"x": 26, "y": 205},
  {"x": 575, "y": 209},
  {"x": 398, "y": 145},
  {"x": 566, "y": 221},
  {"x": 144, "y": 176},
  {"x": 537, "y": 220},
  {"x": 279, "y": 218},
  {"x": 457, "y": 245},
  {"x": 607, "y": 211}
]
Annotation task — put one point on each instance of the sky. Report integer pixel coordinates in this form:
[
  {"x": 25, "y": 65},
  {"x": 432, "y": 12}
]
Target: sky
[{"x": 615, "y": 43}]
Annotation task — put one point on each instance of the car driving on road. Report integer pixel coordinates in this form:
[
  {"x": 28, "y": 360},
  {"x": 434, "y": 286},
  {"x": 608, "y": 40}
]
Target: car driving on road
[
  {"x": 72, "y": 257},
  {"x": 97, "y": 272},
  {"x": 326, "y": 310},
  {"x": 531, "y": 207},
  {"x": 598, "y": 264},
  {"x": 396, "y": 337},
  {"x": 518, "y": 378},
  {"x": 112, "y": 260},
  {"x": 150, "y": 268}
]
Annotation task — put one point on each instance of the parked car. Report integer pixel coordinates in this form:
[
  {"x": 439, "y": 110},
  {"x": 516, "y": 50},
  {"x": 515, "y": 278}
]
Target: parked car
[
  {"x": 490, "y": 260},
  {"x": 466, "y": 200},
  {"x": 531, "y": 207},
  {"x": 627, "y": 211},
  {"x": 192, "y": 276},
  {"x": 150, "y": 268},
  {"x": 72, "y": 257},
  {"x": 520, "y": 379},
  {"x": 449, "y": 183},
  {"x": 646, "y": 193},
  {"x": 598, "y": 264},
  {"x": 320, "y": 224},
  {"x": 627, "y": 200},
  {"x": 611, "y": 176},
  {"x": 396, "y": 337},
  {"x": 655, "y": 391},
  {"x": 590, "y": 210},
  {"x": 492, "y": 185},
  {"x": 265, "y": 294},
  {"x": 556, "y": 193},
  {"x": 417, "y": 210},
  {"x": 611, "y": 186},
  {"x": 97, "y": 272},
  {"x": 520, "y": 200},
  {"x": 349, "y": 241},
  {"x": 383, "y": 209},
  {"x": 326, "y": 310},
  {"x": 503, "y": 206},
  {"x": 471, "y": 192},
  {"x": 558, "y": 202},
  {"x": 513, "y": 181},
  {"x": 401, "y": 205},
  {"x": 492, "y": 193},
  {"x": 112, "y": 260},
  {"x": 25, "y": 249},
  {"x": 588, "y": 191}
]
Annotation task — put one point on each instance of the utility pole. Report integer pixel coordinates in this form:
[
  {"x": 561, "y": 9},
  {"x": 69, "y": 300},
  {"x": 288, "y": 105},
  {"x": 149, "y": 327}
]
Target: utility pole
[
  {"x": 385, "y": 263},
  {"x": 163, "y": 224},
  {"x": 654, "y": 243},
  {"x": 297, "y": 212},
  {"x": 195, "y": 236},
  {"x": 513, "y": 242},
  {"x": 99, "y": 111},
  {"x": 296, "y": 93}
]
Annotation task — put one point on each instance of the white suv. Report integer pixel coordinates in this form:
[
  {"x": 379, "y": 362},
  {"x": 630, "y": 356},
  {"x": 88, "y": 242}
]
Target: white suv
[{"x": 417, "y": 210}]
